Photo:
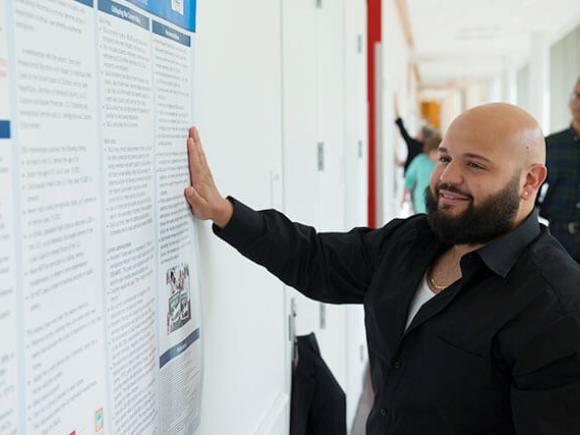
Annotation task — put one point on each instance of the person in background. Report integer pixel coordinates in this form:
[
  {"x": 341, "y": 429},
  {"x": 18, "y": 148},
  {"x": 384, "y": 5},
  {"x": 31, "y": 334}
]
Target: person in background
[
  {"x": 561, "y": 204},
  {"x": 419, "y": 173},
  {"x": 414, "y": 145}
]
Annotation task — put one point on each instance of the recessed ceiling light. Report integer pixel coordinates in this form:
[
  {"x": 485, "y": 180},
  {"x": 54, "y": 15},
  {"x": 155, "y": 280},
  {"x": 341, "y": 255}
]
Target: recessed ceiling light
[{"x": 471, "y": 33}]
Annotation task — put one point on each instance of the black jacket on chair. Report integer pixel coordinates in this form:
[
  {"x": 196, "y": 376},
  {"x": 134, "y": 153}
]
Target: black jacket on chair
[{"x": 318, "y": 404}]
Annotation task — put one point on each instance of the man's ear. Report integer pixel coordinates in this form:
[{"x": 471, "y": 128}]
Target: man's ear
[{"x": 535, "y": 177}]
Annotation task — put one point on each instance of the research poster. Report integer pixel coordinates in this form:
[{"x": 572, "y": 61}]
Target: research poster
[{"x": 99, "y": 262}]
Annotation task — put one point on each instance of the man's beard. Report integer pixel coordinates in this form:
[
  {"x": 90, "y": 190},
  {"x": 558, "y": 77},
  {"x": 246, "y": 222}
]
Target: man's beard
[{"x": 476, "y": 225}]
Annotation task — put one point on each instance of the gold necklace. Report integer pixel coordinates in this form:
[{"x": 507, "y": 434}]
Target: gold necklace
[{"x": 434, "y": 284}]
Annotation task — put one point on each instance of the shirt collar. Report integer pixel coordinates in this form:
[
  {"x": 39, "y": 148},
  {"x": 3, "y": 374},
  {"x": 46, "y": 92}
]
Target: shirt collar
[
  {"x": 574, "y": 134},
  {"x": 501, "y": 254}
]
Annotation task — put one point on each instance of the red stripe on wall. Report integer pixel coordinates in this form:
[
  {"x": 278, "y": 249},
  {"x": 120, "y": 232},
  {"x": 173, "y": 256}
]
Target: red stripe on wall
[{"x": 373, "y": 36}]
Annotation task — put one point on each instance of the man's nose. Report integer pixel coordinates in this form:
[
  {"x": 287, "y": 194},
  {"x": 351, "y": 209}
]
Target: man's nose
[{"x": 451, "y": 174}]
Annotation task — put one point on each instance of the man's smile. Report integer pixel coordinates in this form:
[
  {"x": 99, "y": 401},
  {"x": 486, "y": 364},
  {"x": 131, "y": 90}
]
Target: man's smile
[{"x": 447, "y": 197}]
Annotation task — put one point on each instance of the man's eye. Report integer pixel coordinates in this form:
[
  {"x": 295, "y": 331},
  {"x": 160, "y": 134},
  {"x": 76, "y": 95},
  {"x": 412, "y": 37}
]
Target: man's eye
[
  {"x": 474, "y": 165},
  {"x": 444, "y": 159}
]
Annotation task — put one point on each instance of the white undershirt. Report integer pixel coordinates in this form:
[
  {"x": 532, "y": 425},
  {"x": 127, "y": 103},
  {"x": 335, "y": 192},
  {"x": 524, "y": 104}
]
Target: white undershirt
[{"x": 422, "y": 295}]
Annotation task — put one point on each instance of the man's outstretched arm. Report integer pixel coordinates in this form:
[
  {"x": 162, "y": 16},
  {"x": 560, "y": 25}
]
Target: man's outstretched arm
[{"x": 330, "y": 267}]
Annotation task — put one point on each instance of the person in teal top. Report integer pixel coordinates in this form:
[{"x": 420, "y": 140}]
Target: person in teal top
[{"x": 419, "y": 172}]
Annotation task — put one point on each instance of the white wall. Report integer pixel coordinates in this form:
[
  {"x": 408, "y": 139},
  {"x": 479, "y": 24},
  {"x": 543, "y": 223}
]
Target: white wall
[
  {"x": 271, "y": 84},
  {"x": 325, "y": 106},
  {"x": 564, "y": 73},
  {"x": 356, "y": 185},
  {"x": 477, "y": 92},
  {"x": 451, "y": 107},
  {"x": 238, "y": 93},
  {"x": 396, "y": 78},
  {"x": 523, "y": 87},
  {"x": 331, "y": 203}
]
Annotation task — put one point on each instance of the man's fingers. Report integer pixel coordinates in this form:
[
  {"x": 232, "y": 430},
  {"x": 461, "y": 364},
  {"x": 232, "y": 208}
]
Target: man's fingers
[
  {"x": 199, "y": 147},
  {"x": 194, "y": 199},
  {"x": 200, "y": 154},
  {"x": 188, "y": 192},
  {"x": 198, "y": 166},
  {"x": 192, "y": 131},
  {"x": 202, "y": 157},
  {"x": 191, "y": 195},
  {"x": 197, "y": 162},
  {"x": 202, "y": 193},
  {"x": 193, "y": 167}
]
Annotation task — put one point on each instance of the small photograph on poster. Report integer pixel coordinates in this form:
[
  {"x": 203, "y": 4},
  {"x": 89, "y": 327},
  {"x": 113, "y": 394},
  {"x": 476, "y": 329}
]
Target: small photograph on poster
[
  {"x": 177, "y": 6},
  {"x": 179, "y": 297}
]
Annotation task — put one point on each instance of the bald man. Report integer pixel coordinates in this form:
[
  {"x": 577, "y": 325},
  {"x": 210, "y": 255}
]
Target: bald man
[{"x": 472, "y": 311}]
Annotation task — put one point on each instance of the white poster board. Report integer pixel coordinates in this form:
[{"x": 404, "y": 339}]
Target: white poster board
[{"x": 99, "y": 276}]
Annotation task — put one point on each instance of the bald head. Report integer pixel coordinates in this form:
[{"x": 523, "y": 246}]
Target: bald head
[
  {"x": 504, "y": 128},
  {"x": 492, "y": 154}
]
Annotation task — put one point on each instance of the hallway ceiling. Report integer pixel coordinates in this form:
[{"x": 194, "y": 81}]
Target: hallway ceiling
[{"x": 459, "y": 40}]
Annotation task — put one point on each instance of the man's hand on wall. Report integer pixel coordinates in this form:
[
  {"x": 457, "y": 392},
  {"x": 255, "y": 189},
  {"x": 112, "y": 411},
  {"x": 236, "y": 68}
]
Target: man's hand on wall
[{"x": 202, "y": 195}]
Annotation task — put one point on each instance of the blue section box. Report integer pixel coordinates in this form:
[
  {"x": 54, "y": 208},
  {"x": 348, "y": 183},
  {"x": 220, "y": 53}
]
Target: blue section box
[
  {"x": 4, "y": 129},
  {"x": 86, "y": 2},
  {"x": 178, "y": 12},
  {"x": 169, "y": 33},
  {"x": 123, "y": 12},
  {"x": 179, "y": 348}
]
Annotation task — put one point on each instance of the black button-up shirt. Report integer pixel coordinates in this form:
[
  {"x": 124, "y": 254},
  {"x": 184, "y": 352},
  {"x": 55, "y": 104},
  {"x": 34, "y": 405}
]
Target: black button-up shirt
[{"x": 497, "y": 352}]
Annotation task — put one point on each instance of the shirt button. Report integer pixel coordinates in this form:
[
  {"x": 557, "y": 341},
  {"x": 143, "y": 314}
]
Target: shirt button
[
  {"x": 578, "y": 205},
  {"x": 384, "y": 412},
  {"x": 397, "y": 365}
]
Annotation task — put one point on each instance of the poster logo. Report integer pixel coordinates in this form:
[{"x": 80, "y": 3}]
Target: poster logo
[
  {"x": 177, "y": 6},
  {"x": 99, "y": 423}
]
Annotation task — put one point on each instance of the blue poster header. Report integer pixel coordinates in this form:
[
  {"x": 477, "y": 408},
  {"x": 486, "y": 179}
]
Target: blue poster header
[
  {"x": 179, "y": 348},
  {"x": 170, "y": 33},
  {"x": 178, "y": 12},
  {"x": 4, "y": 129},
  {"x": 86, "y": 2},
  {"x": 123, "y": 12}
]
